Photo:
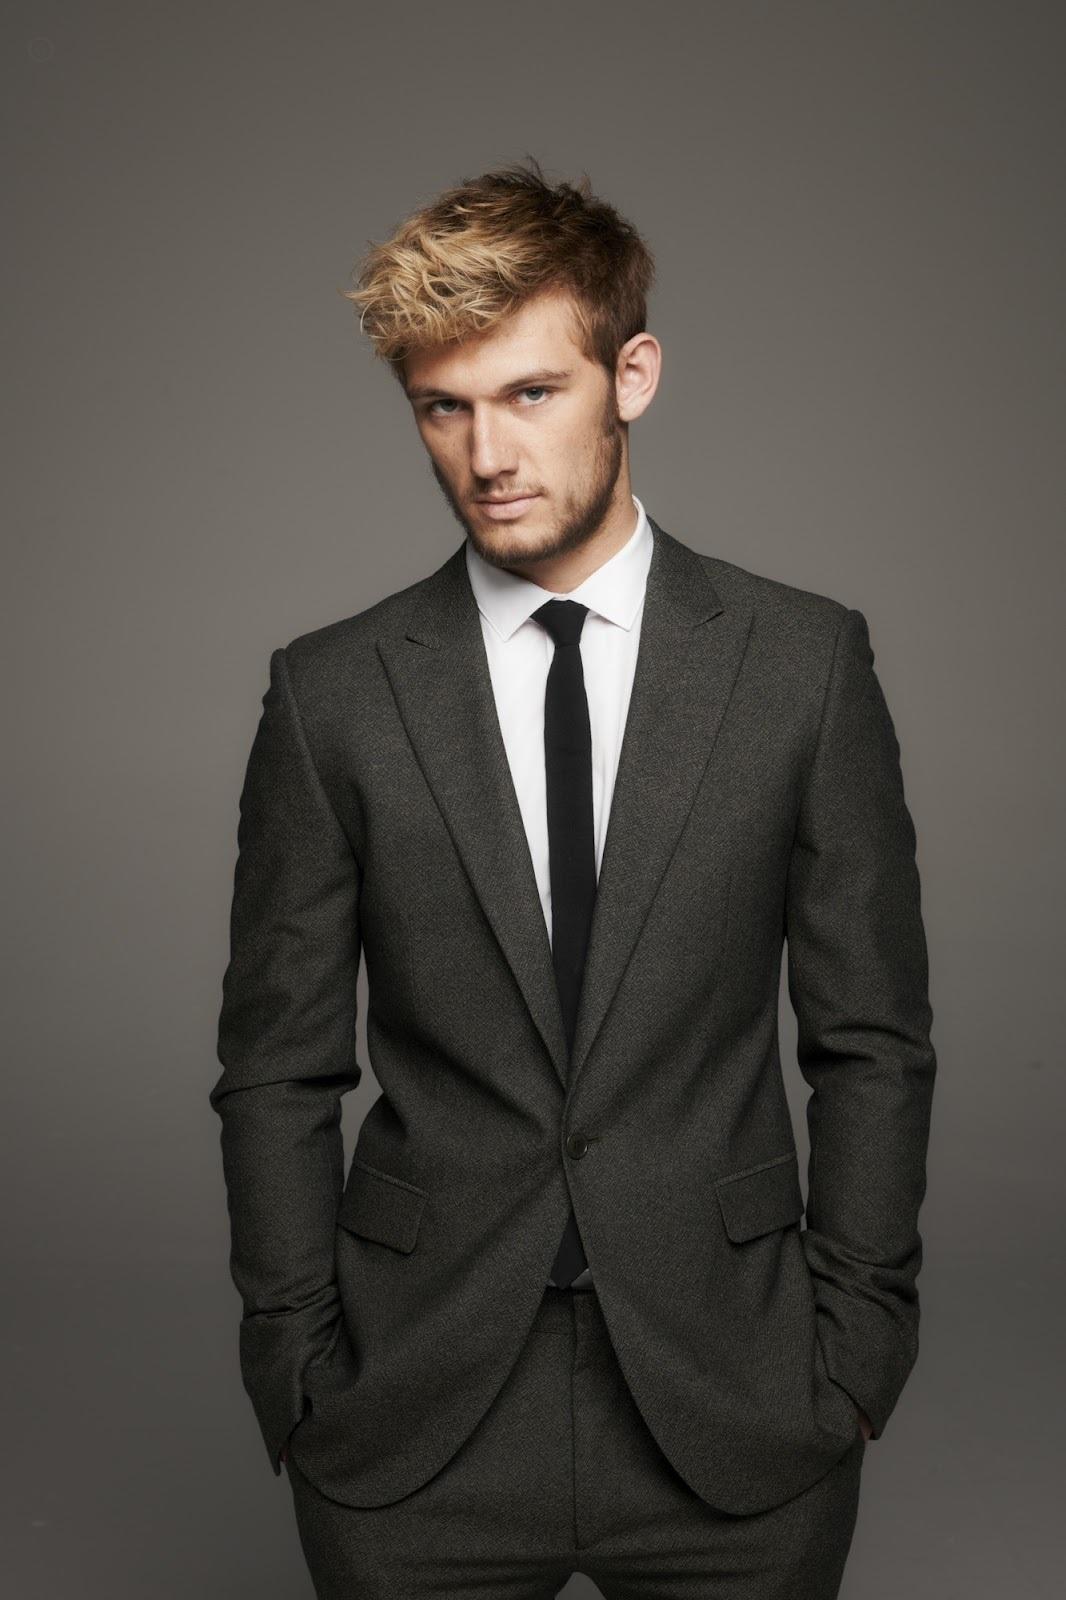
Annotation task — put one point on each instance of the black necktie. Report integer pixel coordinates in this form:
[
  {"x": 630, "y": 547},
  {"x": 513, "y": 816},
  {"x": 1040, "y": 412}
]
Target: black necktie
[{"x": 571, "y": 841}]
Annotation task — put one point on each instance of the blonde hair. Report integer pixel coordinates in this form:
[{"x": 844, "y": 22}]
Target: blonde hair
[{"x": 460, "y": 264}]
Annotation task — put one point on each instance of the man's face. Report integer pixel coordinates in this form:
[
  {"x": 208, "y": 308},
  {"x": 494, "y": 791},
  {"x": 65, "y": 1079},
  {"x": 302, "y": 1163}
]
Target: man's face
[{"x": 520, "y": 411}]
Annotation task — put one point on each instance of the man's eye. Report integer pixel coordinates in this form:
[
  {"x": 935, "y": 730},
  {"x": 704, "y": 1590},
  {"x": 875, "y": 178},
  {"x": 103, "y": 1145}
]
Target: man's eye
[{"x": 533, "y": 388}]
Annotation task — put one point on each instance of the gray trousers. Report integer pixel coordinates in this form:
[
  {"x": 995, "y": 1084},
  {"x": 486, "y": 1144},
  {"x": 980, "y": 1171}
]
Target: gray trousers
[{"x": 562, "y": 1475}]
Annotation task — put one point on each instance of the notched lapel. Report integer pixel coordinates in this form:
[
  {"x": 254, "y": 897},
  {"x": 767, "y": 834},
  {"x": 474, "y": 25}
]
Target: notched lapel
[
  {"x": 690, "y": 651},
  {"x": 691, "y": 648},
  {"x": 439, "y": 672}
]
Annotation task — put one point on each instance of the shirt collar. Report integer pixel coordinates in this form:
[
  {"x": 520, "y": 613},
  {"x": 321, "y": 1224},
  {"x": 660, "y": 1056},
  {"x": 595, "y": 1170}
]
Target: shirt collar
[{"x": 615, "y": 590}]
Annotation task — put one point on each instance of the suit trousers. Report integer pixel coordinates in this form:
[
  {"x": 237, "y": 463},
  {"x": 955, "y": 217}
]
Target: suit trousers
[{"x": 562, "y": 1475}]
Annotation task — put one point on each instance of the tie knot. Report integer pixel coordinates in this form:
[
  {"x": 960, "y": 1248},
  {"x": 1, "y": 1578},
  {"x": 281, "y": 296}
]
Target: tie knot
[{"x": 563, "y": 619}]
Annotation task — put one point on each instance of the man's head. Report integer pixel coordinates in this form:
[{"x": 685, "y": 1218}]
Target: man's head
[{"x": 513, "y": 315}]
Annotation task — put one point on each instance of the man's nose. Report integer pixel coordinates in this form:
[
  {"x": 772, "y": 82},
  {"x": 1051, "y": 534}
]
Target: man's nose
[{"x": 491, "y": 451}]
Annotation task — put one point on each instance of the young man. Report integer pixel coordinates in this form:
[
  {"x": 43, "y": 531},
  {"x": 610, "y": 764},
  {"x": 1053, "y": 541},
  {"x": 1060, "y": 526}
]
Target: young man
[{"x": 570, "y": 795}]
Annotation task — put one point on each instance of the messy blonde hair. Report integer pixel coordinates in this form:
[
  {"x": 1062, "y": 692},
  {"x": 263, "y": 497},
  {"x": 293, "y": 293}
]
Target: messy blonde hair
[{"x": 460, "y": 264}]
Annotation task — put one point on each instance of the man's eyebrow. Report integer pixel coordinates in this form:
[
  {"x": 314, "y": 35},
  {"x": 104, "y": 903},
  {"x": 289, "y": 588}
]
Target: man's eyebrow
[{"x": 543, "y": 375}]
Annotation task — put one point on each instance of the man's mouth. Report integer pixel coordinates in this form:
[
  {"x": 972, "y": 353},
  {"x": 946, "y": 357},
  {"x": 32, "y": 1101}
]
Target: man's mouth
[{"x": 504, "y": 509}]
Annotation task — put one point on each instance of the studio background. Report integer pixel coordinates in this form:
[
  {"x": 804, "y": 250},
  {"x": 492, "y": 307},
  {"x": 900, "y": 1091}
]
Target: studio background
[{"x": 856, "y": 211}]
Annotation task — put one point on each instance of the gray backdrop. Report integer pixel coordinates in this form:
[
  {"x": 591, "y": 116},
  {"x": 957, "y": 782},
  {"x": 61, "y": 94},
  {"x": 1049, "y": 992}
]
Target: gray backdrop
[{"x": 857, "y": 215}]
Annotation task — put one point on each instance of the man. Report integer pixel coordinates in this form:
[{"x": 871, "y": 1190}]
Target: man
[{"x": 570, "y": 795}]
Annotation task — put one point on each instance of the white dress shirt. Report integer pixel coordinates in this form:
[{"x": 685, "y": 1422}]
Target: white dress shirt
[{"x": 519, "y": 653}]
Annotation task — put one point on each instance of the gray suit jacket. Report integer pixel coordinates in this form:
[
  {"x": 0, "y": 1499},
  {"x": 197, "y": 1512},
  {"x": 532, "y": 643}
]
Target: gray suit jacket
[{"x": 758, "y": 799}]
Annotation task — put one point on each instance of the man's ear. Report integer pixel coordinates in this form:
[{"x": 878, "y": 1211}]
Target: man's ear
[{"x": 637, "y": 373}]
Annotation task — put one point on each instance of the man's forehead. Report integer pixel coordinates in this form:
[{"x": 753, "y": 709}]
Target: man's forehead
[{"x": 537, "y": 336}]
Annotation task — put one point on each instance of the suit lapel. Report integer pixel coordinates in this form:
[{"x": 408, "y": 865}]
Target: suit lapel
[
  {"x": 690, "y": 651},
  {"x": 439, "y": 672},
  {"x": 689, "y": 654}
]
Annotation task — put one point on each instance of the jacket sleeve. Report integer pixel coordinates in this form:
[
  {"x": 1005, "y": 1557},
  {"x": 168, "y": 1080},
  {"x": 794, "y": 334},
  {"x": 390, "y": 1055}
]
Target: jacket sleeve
[
  {"x": 858, "y": 981},
  {"x": 286, "y": 1041}
]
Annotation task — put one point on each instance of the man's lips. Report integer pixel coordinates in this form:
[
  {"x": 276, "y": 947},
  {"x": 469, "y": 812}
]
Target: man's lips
[{"x": 505, "y": 510}]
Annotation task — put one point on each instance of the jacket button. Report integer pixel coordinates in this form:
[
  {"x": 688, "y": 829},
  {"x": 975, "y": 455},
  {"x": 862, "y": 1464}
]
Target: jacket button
[{"x": 576, "y": 1145}]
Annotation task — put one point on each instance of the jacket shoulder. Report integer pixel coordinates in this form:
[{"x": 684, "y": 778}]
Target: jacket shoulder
[
  {"x": 384, "y": 616},
  {"x": 785, "y": 606},
  {"x": 340, "y": 658},
  {"x": 795, "y": 631}
]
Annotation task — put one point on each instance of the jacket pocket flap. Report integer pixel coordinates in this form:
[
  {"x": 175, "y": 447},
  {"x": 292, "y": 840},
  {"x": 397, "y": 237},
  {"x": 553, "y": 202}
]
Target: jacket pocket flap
[
  {"x": 760, "y": 1199},
  {"x": 377, "y": 1206}
]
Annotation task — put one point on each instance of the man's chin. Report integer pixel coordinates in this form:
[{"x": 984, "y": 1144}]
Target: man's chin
[{"x": 505, "y": 545}]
